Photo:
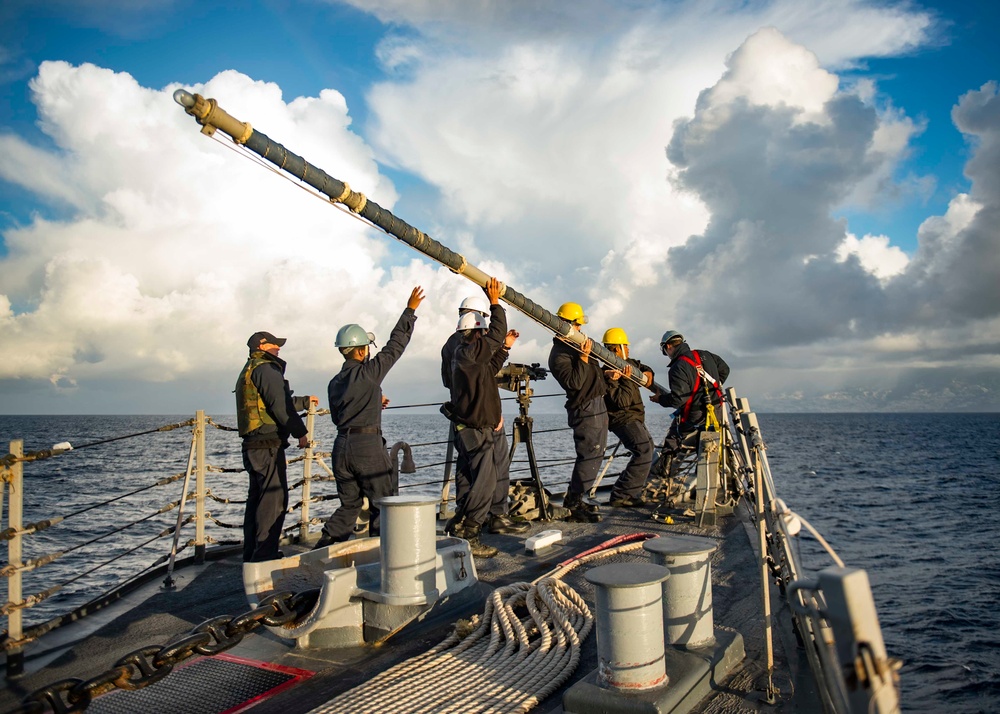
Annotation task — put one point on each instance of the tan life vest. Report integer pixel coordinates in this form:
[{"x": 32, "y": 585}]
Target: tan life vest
[{"x": 251, "y": 412}]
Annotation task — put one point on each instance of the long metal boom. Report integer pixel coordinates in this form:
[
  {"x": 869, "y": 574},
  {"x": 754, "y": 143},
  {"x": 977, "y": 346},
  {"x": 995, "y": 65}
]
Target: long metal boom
[{"x": 212, "y": 117}]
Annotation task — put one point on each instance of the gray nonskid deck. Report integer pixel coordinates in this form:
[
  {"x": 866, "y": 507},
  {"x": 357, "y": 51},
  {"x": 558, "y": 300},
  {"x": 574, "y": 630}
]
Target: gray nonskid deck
[{"x": 217, "y": 590}]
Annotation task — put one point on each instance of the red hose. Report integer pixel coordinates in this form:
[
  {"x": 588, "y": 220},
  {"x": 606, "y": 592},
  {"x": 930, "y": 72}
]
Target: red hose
[{"x": 627, "y": 538}]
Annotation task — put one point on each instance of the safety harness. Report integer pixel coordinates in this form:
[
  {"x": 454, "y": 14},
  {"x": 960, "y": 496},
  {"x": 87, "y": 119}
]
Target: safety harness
[{"x": 711, "y": 421}]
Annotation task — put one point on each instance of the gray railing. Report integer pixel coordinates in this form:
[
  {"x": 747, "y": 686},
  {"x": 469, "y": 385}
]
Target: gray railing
[{"x": 17, "y": 635}]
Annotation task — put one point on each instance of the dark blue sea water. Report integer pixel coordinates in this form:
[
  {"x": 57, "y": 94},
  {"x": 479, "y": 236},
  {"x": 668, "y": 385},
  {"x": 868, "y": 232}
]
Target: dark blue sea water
[{"x": 911, "y": 498}]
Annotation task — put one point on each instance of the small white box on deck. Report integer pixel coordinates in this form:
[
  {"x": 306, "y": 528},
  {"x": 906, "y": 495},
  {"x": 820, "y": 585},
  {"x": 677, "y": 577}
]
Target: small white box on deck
[{"x": 541, "y": 541}]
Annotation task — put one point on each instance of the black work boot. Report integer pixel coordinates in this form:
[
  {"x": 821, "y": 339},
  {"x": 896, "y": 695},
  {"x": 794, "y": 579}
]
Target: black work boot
[
  {"x": 578, "y": 500},
  {"x": 478, "y": 548},
  {"x": 625, "y": 501},
  {"x": 454, "y": 526},
  {"x": 323, "y": 542},
  {"x": 505, "y": 524},
  {"x": 581, "y": 510}
]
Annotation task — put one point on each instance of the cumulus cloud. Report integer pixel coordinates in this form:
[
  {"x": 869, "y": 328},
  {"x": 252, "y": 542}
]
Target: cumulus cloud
[
  {"x": 953, "y": 276},
  {"x": 772, "y": 255},
  {"x": 177, "y": 249},
  {"x": 875, "y": 254},
  {"x": 772, "y": 168},
  {"x": 666, "y": 165},
  {"x": 553, "y": 135}
]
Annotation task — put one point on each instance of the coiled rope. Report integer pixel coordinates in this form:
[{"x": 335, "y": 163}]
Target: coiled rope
[
  {"x": 502, "y": 662},
  {"x": 526, "y": 644}
]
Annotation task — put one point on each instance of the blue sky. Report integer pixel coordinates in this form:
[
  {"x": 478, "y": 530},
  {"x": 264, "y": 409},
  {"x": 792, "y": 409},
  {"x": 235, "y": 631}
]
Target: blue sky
[
  {"x": 452, "y": 110},
  {"x": 308, "y": 46},
  {"x": 926, "y": 84}
]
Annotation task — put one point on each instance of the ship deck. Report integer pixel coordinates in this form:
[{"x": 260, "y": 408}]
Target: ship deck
[{"x": 152, "y": 616}]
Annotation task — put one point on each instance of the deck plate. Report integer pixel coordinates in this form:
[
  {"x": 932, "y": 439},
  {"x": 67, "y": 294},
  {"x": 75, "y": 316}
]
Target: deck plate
[{"x": 207, "y": 685}]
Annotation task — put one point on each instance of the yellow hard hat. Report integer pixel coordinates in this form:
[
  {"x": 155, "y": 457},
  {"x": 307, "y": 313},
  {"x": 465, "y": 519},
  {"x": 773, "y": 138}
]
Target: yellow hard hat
[
  {"x": 572, "y": 312},
  {"x": 615, "y": 336}
]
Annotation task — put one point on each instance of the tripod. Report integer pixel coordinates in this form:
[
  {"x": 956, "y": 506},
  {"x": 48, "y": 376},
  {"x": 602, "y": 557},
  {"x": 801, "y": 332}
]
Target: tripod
[
  {"x": 521, "y": 434},
  {"x": 517, "y": 378},
  {"x": 513, "y": 378}
]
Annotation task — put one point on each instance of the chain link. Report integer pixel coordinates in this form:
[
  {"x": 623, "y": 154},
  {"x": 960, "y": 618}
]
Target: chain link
[{"x": 148, "y": 665}]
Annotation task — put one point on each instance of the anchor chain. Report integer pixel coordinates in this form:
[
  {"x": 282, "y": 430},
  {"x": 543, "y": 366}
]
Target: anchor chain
[{"x": 150, "y": 664}]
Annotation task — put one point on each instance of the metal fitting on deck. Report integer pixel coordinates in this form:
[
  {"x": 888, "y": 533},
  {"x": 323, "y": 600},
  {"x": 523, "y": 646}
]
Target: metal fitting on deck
[
  {"x": 687, "y": 601},
  {"x": 408, "y": 549},
  {"x": 630, "y": 625}
]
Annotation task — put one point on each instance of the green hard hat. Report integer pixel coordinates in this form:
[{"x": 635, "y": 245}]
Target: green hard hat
[
  {"x": 354, "y": 336},
  {"x": 669, "y": 335}
]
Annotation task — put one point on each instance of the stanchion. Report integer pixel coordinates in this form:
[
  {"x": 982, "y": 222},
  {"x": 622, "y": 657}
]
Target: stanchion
[
  {"x": 199, "y": 537},
  {"x": 15, "y": 627}
]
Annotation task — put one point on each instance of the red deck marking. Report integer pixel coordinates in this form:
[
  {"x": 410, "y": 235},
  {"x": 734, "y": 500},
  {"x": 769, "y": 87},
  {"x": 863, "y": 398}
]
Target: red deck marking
[{"x": 297, "y": 676}]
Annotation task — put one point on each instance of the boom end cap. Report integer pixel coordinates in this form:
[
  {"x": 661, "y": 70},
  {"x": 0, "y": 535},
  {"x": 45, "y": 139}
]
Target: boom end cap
[{"x": 184, "y": 98}]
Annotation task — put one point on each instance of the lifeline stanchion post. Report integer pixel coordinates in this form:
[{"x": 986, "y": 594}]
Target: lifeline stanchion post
[
  {"x": 168, "y": 582},
  {"x": 607, "y": 465},
  {"x": 15, "y": 631},
  {"x": 759, "y": 464},
  {"x": 449, "y": 459},
  {"x": 199, "y": 537},
  {"x": 307, "y": 473}
]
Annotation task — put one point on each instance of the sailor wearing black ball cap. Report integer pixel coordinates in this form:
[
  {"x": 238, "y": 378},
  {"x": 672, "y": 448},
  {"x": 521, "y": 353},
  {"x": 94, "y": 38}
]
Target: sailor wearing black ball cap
[{"x": 266, "y": 415}]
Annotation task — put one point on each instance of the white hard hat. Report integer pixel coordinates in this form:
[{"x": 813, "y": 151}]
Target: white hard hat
[
  {"x": 476, "y": 303},
  {"x": 471, "y": 321}
]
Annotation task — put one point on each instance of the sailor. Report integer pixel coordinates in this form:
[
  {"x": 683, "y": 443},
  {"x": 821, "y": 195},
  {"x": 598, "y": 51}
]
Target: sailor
[
  {"x": 266, "y": 415},
  {"x": 696, "y": 378},
  {"x": 499, "y": 521},
  {"x": 361, "y": 464},
  {"x": 627, "y": 421},
  {"x": 475, "y": 410},
  {"x": 583, "y": 380},
  {"x": 474, "y": 303}
]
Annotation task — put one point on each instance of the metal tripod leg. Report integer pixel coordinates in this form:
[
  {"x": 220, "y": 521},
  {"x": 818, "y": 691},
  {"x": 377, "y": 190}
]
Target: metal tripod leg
[{"x": 522, "y": 434}]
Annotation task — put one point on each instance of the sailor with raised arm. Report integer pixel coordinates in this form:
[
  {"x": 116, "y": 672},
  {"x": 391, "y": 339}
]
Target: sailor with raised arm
[
  {"x": 499, "y": 521},
  {"x": 476, "y": 413},
  {"x": 582, "y": 378},
  {"x": 266, "y": 415},
  {"x": 627, "y": 421},
  {"x": 361, "y": 464},
  {"x": 696, "y": 378}
]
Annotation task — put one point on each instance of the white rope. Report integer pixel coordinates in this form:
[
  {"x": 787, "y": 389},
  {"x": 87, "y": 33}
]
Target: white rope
[{"x": 523, "y": 648}]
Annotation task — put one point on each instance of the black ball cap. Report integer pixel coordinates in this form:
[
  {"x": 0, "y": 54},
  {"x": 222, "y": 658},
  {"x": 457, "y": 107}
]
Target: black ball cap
[{"x": 256, "y": 338}]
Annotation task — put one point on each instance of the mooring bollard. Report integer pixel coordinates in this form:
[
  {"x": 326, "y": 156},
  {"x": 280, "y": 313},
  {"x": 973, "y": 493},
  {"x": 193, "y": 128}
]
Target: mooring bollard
[
  {"x": 408, "y": 548},
  {"x": 687, "y": 601},
  {"x": 630, "y": 625}
]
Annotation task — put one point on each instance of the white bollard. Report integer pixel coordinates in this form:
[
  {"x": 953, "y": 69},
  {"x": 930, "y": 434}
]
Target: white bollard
[
  {"x": 630, "y": 646},
  {"x": 687, "y": 600},
  {"x": 408, "y": 549}
]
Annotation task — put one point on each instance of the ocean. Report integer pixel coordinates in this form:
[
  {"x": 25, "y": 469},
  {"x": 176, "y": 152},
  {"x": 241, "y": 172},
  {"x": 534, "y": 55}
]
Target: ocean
[{"x": 911, "y": 498}]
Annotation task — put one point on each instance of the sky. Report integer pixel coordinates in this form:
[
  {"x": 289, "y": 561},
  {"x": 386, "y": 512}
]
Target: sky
[{"x": 810, "y": 190}]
